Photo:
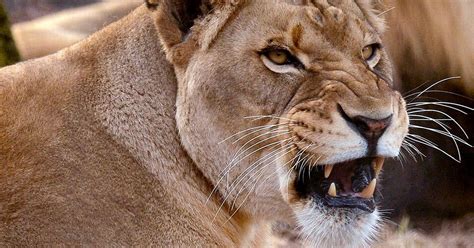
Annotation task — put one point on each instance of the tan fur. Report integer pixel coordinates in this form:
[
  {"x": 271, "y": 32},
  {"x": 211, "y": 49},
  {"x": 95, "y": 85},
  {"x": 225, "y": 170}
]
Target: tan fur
[{"x": 107, "y": 143}]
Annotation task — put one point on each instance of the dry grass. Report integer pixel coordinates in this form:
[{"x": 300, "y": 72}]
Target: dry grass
[{"x": 444, "y": 233}]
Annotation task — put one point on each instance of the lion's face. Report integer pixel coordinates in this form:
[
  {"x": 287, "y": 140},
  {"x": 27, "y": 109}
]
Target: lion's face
[{"x": 292, "y": 105}]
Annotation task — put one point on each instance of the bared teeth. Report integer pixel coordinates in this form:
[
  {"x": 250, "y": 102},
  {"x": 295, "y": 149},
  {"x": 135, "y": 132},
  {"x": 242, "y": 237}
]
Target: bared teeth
[
  {"x": 332, "y": 190},
  {"x": 327, "y": 170},
  {"x": 378, "y": 165},
  {"x": 368, "y": 192}
]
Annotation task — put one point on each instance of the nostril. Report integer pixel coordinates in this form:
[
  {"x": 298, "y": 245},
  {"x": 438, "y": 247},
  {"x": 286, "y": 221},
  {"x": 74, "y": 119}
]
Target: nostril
[{"x": 371, "y": 129}]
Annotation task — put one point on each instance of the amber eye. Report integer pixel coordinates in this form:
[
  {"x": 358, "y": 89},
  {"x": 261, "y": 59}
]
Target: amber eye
[
  {"x": 371, "y": 54},
  {"x": 368, "y": 52},
  {"x": 279, "y": 57},
  {"x": 280, "y": 60}
]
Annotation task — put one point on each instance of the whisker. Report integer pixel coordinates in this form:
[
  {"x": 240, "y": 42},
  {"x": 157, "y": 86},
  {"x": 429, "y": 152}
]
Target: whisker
[
  {"x": 444, "y": 133},
  {"x": 401, "y": 158},
  {"x": 415, "y": 119},
  {"x": 253, "y": 129},
  {"x": 448, "y": 93},
  {"x": 276, "y": 125},
  {"x": 385, "y": 11},
  {"x": 443, "y": 104},
  {"x": 233, "y": 185},
  {"x": 261, "y": 171},
  {"x": 255, "y": 165},
  {"x": 442, "y": 113},
  {"x": 432, "y": 145},
  {"x": 237, "y": 158},
  {"x": 410, "y": 92},
  {"x": 230, "y": 165},
  {"x": 428, "y": 118},
  {"x": 298, "y": 155},
  {"x": 259, "y": 117},
  {"x": 287, "y": 174},
  {"x": 418, "y": 112},
  {"x": 418, "y": 94},
  {"x": 407, "y": 148},
  {"x": 447, "y": 134},
  {"x": 422, "y": 155}
]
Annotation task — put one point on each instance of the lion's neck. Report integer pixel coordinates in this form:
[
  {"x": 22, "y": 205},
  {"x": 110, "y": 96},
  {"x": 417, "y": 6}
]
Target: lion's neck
[{"x": 135, "y": 97}]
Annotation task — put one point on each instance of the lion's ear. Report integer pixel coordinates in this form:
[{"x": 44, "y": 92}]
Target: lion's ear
[
  {"x": 174, "y": 20},
  {"x": 181, "y": 13}
]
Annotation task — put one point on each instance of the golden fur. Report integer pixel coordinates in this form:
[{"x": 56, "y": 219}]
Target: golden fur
[{"x": 117, "y": 140}]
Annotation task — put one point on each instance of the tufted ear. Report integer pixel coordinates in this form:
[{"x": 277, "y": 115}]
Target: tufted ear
[
  {"x": 175, "y": 20},
  {"x": 181, "y": 12},
  {"x": 182, "y": 24}
]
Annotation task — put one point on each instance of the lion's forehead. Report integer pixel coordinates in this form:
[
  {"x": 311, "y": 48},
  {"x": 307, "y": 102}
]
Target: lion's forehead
[
  {"x": 355, "y": 8},
  {"x": 337, "y": 21}
]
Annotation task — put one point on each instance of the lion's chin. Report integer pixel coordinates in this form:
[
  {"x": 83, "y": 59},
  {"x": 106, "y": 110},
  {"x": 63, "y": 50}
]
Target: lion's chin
[
  {"x": 322, "y": 226},
  {"x": 335, "y": 205}
]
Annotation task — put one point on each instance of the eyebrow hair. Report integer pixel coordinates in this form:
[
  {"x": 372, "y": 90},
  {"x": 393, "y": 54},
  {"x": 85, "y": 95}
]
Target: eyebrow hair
[{"x": 296, "y": 34}]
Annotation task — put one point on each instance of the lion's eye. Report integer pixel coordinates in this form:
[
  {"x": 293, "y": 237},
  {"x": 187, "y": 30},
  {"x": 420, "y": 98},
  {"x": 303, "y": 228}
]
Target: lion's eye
[
  {"x": 371, "y": 54},
  {"x": 280, "y": 60},
  {"x": 279, "y": 57}
]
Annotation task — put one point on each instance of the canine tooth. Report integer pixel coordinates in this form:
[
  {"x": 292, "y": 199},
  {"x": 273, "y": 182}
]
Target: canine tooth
[
  {"x": 327, "y": 170},
  {"x": 378, "y": 165},
  {"x": 368, "y": 192},
  {"x": 332, "y": 190}
]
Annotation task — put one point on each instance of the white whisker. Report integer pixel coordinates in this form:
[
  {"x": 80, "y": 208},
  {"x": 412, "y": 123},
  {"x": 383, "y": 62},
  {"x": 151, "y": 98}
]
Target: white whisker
[
  {"x": 229, "y": 167},
  {"x": 432, "y": 145},
  {"x": 439, "y": 112},
  {"x": 261, "y": 171},
  {"x": 250, "y": 168},
  {"x": 238, "y": 157},
  {"x": 418, "y": 94},
  {"x": 443, "y": 104},
  {"x": 444, "y": 133},
  {"x": 259, "y": 117}
]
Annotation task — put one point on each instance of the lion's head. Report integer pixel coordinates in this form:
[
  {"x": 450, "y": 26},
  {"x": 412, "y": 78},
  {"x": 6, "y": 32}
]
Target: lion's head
[{"x": 287, "y": 103}]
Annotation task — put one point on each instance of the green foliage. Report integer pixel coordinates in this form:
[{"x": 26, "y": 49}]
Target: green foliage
[{"x": 8, "y": 52}]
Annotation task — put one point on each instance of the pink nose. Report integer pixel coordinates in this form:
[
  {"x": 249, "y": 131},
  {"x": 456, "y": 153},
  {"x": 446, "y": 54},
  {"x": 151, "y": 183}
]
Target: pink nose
[{"x": 371, "y": 129}]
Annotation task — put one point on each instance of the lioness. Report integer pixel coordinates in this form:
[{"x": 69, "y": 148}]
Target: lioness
[{"x": 194, "y": 123}]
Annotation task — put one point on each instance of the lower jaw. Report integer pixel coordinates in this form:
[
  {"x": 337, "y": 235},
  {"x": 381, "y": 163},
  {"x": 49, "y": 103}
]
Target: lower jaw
[
  {"x": 366, "y": 205},
  {"x": 321, "y": 226}
]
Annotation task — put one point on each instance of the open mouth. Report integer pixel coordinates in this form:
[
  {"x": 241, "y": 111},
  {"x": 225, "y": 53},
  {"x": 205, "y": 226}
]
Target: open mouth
[{"x": 350, "y": 184}]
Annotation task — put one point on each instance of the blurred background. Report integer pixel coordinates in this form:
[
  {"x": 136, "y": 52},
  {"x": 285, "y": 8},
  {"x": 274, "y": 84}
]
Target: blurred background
[
  {"x": 429, "y": 198},
  {"x": 41, "y": 27},
  {"x": 25, "y": 10}
]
